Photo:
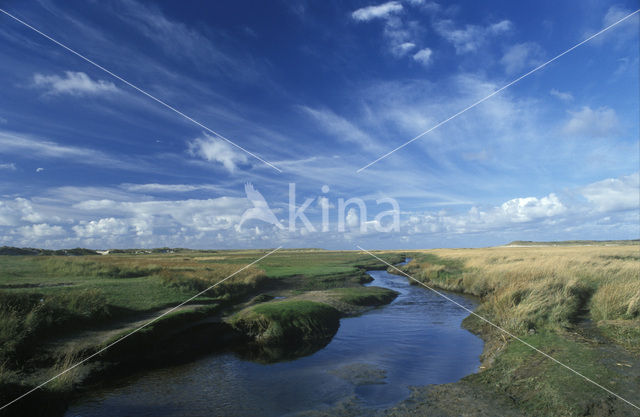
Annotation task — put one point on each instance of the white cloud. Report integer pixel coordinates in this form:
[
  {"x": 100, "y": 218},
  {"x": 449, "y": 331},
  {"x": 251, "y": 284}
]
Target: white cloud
[
  {"x": 564, "y": 96},
  {"x": 613, "y": 194},
  {"x": 522, "y": 56},
  {"x": 102, "y": 228},
  {"x": 401, "y": 36},
  {"x": 8, "y": 167},
  {"x": 13, "y": 212},
  {"x": 352, "y": 219},
  {"x": 472, "y": 37},
  {"x": 169, "y": 188},
  {"x": 341, "y": 128},
  {"x": 202, "y": 215},
  {"x": 598, "y": 123},
  {"x": 381, "y": 11},
  {"x": 28, "y": 146},
  {"x": 423, "y": 56},
  {"x": 518, "y": 211},
  {"x": 41, "y": 230},
  {"x": 21, "y": 143},
  {"x": 500, "y": 27},
  {"x": 529, "y": 208},
  {"x": 628, "y": 28},
  {"x": 73, "y": 83},
  {"x": 39, "y": 169},
  {"x": 403, "y": 48},
  {"x": 213, "y": 149},
  {"x": 430, "y": 6},
  {"x": 182, "y": 42}
]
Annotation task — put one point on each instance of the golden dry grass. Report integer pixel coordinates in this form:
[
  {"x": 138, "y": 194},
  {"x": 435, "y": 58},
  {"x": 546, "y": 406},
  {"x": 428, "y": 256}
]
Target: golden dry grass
[{"x": 528, "y": 287}]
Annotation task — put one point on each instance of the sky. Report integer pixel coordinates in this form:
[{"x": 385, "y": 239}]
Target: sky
[{"x": 301, "y": 95}]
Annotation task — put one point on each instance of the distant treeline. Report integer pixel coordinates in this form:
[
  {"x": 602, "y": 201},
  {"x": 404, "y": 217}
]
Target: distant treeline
[
  {"x": 574, "y": 242},
  {"x": 10, "y": 250}
]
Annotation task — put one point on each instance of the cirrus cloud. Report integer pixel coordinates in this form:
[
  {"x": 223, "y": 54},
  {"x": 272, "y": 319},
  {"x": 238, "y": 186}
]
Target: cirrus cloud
[
  {"x": 73, "y": 83},
  {"x": 601, "y": 122},
  {"x": 381, "y": 11}
]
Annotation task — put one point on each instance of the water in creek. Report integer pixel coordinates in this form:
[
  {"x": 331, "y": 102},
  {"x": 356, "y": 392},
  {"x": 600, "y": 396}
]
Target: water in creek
[{"x": 374, "y": 358}]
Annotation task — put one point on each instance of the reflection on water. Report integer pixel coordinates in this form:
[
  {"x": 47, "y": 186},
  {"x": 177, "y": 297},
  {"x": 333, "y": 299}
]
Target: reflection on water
[{"x": 416, "y": 340}]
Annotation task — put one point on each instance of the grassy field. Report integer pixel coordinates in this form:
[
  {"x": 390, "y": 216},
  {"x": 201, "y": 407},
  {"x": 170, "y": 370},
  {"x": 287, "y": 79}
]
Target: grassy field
[
  {"x": 580, "y": 304},
  {"x": 56, "y": 308},
  {"x": 540, "y": 287}
]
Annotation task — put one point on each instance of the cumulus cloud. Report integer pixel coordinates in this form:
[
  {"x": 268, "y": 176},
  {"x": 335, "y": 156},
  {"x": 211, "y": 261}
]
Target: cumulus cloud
[
  {"x": 423, "y": 56},
  {"x": 213, "y": 149},
  {"x": 73, "y": 83},
  {"x": 522, "y": 56},
  {"x": 614, "y": 194},
  {"x": 202, "y": 215},
  {"x": 41, "y": 230},
  {"x": 13, "y": 212},
  {"x": 381, "y": 11},
  {"x": 8, "y": 166},
  {"x": 352, "y": 219},
  {"x": 102, "y": 228},
  {"x": 471, "y": 37},
  {"x": 529, "y": 208},
  {"x": 514, "y": 212},
  {"x": 598, "y": 123},
  {"x": 564, "y": 96}
]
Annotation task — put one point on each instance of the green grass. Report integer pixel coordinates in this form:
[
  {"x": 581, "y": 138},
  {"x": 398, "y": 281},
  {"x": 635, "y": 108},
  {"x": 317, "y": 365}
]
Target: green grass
[
  {"x": 27, "y": 318},
  {"x": 288, "y": 322},
  {"x": 78, "y": 289},
  {"x": 624, "y": 332},
  {"x": 542, "y": 387},
  {"x": 288, "y": 263}
]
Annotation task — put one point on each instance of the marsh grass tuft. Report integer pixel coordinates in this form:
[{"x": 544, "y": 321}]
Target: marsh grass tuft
[
  {"x": 24, "y": 318},
  {"x": 288, "y": 322}
]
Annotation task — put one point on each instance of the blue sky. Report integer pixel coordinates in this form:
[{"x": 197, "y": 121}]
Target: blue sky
[{"x": 318, "y": 89}]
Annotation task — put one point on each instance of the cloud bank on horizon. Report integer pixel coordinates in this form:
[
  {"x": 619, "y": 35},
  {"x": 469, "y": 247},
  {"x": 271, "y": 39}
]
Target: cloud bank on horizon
[{"x": 320, "y": 90}]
